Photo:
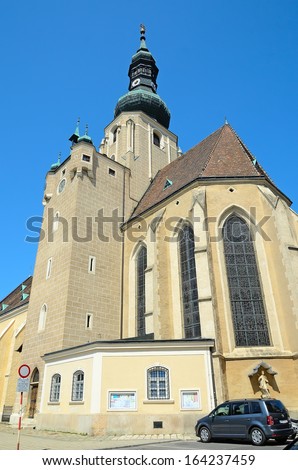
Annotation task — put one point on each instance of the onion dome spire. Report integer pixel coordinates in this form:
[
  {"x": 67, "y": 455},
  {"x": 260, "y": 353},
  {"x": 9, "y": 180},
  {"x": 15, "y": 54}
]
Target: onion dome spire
[
  {"x": 142, "y": 94},
  {"x": 85, "y": 137},
  {"x": 75, "y": 136},
  {"x": 56, "y": 164}
]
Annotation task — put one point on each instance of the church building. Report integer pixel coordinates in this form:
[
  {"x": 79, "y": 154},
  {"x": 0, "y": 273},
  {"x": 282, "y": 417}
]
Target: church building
[{"x": 164, "y": 283}]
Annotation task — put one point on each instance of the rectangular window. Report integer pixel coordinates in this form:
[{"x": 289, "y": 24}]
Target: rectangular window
[
  {"x": 112, "y": 172},
  {"x": 86, "y": 158},
  {"x": 125, "y": 401},
  {"x": 49, "y": 268},
  {"x": 89, "y": 321},
  {"x": 91, "y": 265}
]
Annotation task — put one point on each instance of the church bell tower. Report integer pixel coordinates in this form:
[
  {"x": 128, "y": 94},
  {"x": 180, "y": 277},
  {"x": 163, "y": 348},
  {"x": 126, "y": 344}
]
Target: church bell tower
[{"x": 76, "y": 295}]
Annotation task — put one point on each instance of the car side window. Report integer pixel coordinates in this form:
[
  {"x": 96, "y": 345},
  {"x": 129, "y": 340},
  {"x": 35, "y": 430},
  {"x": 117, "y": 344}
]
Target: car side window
[
  {"x": 255, "y": 407},
  {"x": 222, "y": 410},
  {"x": 240, "y": 408}
]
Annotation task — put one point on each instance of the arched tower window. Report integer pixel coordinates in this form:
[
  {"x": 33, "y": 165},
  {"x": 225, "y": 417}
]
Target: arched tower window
[
  {"x": 56, "y": 221},
  {"x": 156, "y": 139},
  {"x": 249, "y": 318},
  {"x": 189, "y": 289},
  {"x": 42, "y": 318},
  {"x": 141, "y": 265}
]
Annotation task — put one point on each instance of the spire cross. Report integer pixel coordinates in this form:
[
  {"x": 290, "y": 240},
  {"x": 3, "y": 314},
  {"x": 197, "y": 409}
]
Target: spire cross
[{"x": 142, "y": 31}]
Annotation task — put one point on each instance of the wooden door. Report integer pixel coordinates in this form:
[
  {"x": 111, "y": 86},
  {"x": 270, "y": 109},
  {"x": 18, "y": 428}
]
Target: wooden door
[{"x": 33, "y": 398}]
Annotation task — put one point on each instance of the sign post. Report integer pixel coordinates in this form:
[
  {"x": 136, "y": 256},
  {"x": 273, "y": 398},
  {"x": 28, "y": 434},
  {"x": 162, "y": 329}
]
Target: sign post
[{"x": 23, "y": 386}]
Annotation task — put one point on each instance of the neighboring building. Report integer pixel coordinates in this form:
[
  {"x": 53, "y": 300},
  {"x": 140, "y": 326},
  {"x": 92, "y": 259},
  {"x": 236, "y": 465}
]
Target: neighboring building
[
  {"x": 164, "y": 283},
  {"x": 13, "y": 314}
]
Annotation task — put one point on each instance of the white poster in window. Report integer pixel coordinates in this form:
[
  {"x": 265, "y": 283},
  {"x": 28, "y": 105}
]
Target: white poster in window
[
  {"x": 190, "y": 400},
  {"x": 122, "y": 400}
]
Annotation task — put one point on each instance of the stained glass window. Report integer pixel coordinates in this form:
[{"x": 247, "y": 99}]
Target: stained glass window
[
  {"x": 249, "y": 317},
  {"x": 189, "y": 289},
  {"x": 140, "y": 291}
]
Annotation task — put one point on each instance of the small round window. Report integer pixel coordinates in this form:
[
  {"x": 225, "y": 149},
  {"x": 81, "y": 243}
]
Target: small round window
[{"x": 61, "y": 185}]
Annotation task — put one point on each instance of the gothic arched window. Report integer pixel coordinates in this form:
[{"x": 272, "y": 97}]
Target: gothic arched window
[
  {"x": 140, "y": 291},
  {"x": 249, "y": 318},
  {"x": 189, "y": 289}
]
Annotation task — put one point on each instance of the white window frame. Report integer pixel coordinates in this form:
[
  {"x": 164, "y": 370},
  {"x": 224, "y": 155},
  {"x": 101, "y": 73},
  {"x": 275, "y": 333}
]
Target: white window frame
[
  {"x": 77, "y": 389},
  {"x": 55, "y": 389}
]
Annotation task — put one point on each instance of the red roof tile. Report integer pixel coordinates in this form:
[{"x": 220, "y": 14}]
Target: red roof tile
[{"x": 221, "y": 155}]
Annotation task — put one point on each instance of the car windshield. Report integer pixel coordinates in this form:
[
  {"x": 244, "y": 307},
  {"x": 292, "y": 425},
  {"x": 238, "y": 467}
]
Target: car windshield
[{"x": 275, "y": 406}]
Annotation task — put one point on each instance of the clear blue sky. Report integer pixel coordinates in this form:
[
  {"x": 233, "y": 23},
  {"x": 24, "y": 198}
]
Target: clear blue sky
[{"x": 66, "y": 58}]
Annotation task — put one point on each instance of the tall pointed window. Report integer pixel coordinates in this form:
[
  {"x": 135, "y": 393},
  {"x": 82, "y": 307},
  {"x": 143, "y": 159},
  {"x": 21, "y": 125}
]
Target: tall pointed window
[
  {"x": 140, "y": 291},
  {"x": 249, "y": 318},
  {"x": 189, "y": 289}
]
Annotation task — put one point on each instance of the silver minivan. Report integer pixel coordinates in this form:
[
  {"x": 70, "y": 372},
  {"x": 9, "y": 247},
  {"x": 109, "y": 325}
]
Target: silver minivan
[{"x": 254, "y": 419}]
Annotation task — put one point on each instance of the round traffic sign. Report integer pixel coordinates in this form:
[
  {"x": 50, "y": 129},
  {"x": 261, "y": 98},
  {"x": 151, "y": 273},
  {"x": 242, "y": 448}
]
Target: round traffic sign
[{"x": 24, "y": 371}]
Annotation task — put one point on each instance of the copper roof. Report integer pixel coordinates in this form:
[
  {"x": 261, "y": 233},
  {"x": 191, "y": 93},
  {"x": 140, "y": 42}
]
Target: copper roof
[
  {"x": 18, "y": 297},
  {"x": 221, "y": 155}
]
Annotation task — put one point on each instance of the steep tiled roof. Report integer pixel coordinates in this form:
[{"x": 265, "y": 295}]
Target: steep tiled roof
[
  {"x": 221, "y": 155},
  {"x": 19, "y": 296}
]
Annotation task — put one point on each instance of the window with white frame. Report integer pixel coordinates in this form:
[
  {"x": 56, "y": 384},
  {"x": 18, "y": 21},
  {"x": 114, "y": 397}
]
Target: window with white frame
[
  {"x": 158, "y": 383},
  {"x": 77, "y": 386},
  {"x": 55, "y": 388}
]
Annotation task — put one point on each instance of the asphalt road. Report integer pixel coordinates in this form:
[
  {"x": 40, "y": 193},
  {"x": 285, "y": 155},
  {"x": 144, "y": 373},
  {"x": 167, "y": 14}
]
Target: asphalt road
[{"x": 197, "y": 445}]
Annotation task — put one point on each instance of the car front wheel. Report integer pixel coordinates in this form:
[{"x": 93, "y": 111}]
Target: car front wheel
[
  {"x": 205, "y": 434},
  {"x": 257, "y": 437}
]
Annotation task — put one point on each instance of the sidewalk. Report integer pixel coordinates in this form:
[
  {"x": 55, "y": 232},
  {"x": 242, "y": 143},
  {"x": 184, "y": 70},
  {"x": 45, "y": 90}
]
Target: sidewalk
[{"x": 32, "y": 439}]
